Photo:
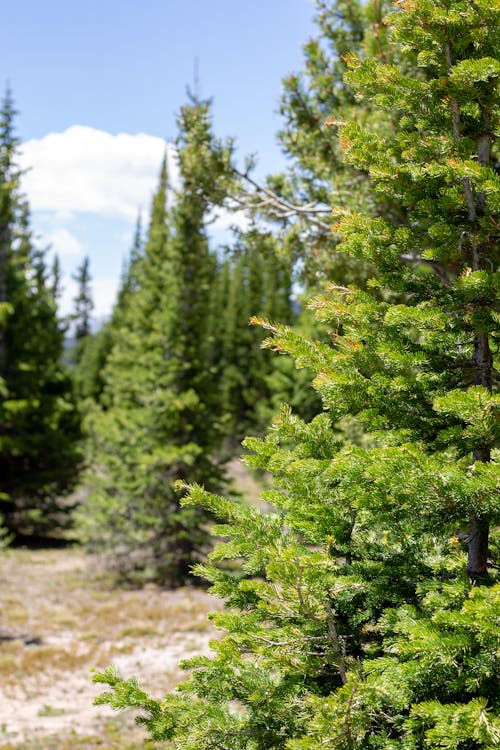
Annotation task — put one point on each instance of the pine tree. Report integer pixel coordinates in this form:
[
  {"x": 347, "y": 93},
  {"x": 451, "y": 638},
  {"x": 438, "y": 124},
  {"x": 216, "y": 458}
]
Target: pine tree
[
  {"x": 83, "y": 302},
  {"x": 81, "y": 320},
  {"x": 88, "y": 372},
  {"x": 39, "y": 421},
  {"x": 94, "y": 349},
  {"x": 9, "y": 180},
  {"x": 217, "y": 321},
  {"x": 128, "y": 280},
  {"x": 56, "y": 277},
  {"x": 366, "y": 616},
  {"x": 154, "y": 423},
  {"x": 242, "y": 375},
  {"x": 258, "y": 283}
]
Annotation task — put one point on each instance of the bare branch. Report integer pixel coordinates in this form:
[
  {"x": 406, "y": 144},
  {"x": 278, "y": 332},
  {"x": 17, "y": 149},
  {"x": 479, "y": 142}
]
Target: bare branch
[{"x": 263, "y": 198}]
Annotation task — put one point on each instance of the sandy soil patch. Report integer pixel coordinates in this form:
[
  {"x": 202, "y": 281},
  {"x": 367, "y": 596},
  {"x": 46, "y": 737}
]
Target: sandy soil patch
[{"x": 69, "y": 621}]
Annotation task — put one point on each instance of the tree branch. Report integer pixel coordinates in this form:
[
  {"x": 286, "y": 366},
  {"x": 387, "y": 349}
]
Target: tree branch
[{"x": 263, "y": 198}]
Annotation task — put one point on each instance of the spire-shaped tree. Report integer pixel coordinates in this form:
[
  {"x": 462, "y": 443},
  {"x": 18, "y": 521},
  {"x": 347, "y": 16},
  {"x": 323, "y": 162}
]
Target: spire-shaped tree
[
  {"x": 128, "y": 281},
  {"x": 155, "y": 425},
  {"x": 9, "y": 183},
  {"x": 95, "y": 349},
  {"x": 56, "y": 277},
  {"x": 39, "y": 422},
  {"x": 83, "y": 302},
  {"x": 259, "y": 283}
]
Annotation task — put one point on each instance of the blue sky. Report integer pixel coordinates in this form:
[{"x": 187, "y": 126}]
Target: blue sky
[{"x": 97, "y": 85}]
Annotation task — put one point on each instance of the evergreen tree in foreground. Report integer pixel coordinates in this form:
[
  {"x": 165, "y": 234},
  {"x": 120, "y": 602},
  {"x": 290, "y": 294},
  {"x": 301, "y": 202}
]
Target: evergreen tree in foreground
[
  {"x": 367, "y": 616},
  {"x": 39, "y": 421},
  {"x": 153, "y": 425}
]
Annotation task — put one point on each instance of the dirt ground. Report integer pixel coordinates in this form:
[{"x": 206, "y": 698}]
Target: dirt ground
[{"x": 65, "y": 620}]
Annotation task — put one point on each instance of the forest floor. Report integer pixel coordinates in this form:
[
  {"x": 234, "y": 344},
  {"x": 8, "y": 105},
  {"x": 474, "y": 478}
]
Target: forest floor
[
  {"x": 60, "y": 617},
  {"x": 75, "y": 622}
]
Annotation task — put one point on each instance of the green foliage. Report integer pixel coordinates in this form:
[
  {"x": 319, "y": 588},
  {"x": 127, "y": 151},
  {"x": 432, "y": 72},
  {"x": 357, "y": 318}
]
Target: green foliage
[
  {"x": 88, "y": 374},
  {"x": 433, "y": 686},
  {"x": 83, "y": 301},
  {"x": 258, "y": 281},
  {"x": 365, "y": 610},
  {"x": 39, "y": 421},
  {"x": 153, "y": 424},
  {"x": 93, "y": 349},
  {"x": 289, "y": 384}
]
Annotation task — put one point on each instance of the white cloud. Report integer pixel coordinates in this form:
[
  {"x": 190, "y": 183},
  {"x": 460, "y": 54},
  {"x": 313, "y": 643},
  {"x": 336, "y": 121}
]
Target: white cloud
[
  {"x": 84, "y": 169},
  {"x": 61, "y": 217},
  {"x": 90, "y": 170},
  {"x": 104, "y": 291},
  {"x": 64, "y": 244},
  {"x": 110, "y": 176},
  {"x": 223, "y": 219}
]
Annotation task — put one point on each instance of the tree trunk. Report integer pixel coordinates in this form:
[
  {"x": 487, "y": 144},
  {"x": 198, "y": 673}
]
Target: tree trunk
[
  {"x": 477, "y": 558},
  {"x": 477, "y": 561}
]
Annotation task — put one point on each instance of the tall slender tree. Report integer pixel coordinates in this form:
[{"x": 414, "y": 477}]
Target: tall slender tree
[
  {"x": 128, "y": 279},
  {"x": 93, "y": 351},
  {"x": 259, "y": 283},
  {"x": 9, "y": 181},
  {"x": 154, "y": 425},
  {"x": 39, "y": 421},
  {"x": 56, "y": 277},
  {"x": 83, "y": 302}
]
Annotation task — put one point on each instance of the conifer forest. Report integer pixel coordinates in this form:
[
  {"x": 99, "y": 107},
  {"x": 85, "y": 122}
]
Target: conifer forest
[{"x": 293, "y": 433}]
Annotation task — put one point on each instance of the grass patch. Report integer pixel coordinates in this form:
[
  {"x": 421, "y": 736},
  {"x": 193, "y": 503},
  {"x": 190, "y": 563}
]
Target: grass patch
[
  {"x": 21, "y": 661},
  {"x": 82, "y": 622},
  {"x": 47, "y": 710},
  {"x": 138, "y": 631},
  {"x": 113, "y": 736}
]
